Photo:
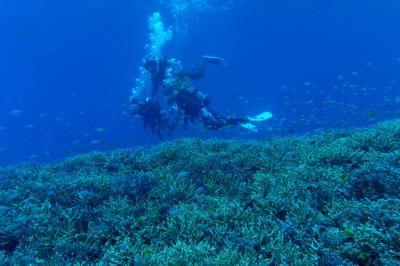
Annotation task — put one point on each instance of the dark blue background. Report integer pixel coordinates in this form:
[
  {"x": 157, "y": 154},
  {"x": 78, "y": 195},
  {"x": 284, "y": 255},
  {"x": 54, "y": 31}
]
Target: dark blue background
[{"x": 69, "y": 67}]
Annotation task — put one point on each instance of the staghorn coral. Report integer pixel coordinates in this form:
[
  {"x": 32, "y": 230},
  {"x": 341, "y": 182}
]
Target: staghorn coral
[{"x": 326, "y": 199}]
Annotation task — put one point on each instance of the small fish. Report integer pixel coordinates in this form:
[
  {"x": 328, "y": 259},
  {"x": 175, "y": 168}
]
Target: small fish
[
  {"x": 161, "y": 178},
  {"x": 147, "y": 251},
  {"x": 371, "y": 114},
  {"x": 183, "y": 174},
  {"x": 16, "y": 112},
  {"x": 97, "y": 142},
  {"x": 101, "y": 130},
  {"x": 344, "y": 176}
]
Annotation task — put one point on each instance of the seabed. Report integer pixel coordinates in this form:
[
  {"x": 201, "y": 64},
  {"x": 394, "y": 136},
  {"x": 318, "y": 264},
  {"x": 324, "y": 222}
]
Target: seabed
[{"x": 331, "y": 198}]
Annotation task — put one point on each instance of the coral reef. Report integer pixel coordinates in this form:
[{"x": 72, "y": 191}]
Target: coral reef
[{"x": 331, "y": 198}]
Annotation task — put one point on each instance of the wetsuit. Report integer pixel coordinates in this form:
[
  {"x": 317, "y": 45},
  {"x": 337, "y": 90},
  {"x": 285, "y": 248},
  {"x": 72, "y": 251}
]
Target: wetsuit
[
  {"x": 154, "y": 117},
  {"x": 194, "y": 105},
  {"x": 158, "y": 74}
]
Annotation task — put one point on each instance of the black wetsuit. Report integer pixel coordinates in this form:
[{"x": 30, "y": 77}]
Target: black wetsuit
[
  {"x": 194, "y": 106},
  {"x": 158, "y": 73},
  {"x": 154, "y": 117},
  {"x": 189, "y": 105}
]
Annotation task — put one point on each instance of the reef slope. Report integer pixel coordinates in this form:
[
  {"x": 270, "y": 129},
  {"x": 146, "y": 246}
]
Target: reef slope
[{"x": 326, "y": 199}]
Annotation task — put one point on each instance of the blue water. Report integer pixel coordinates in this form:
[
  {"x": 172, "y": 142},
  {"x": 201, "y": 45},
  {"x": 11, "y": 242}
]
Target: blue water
[{"x": 67, "y": 68}]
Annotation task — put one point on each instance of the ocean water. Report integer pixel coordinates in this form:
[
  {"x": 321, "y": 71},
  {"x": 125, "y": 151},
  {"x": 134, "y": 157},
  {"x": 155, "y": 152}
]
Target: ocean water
[
  {"x": 82, "y": 182},
  {"x": 67, "y": 68}
]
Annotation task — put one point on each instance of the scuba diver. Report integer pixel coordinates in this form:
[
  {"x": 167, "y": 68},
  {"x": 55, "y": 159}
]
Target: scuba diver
[
  {"x": 153, "y": 116},
  {"x": 191, "y": 103},
  {"x": 194, "y": 106},
  {"x": 169, "y": 74}
]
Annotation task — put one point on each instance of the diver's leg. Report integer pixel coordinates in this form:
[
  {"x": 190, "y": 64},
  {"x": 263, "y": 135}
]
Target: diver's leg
[
  {"x": 198, "y": 72},
  {"x": 210, "y": 119},
  {"x": 232, "y": 120}
]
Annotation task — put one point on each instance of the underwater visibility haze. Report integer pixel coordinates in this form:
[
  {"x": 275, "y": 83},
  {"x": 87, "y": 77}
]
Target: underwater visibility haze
[
  {"x": 68, "y": 68},
  {"x": 195, "y": 132}
]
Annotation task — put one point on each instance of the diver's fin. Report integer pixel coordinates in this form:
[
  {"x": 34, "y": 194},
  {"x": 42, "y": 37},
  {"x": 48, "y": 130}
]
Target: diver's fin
[
  {"x": 260, "y": 117},
  {"x": 249, "y": 126},
  {"x": 215, "y": 60}
]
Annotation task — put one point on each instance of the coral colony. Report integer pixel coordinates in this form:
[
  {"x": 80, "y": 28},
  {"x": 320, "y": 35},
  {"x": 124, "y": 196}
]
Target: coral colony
[{"x": 325, "y": 199}]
